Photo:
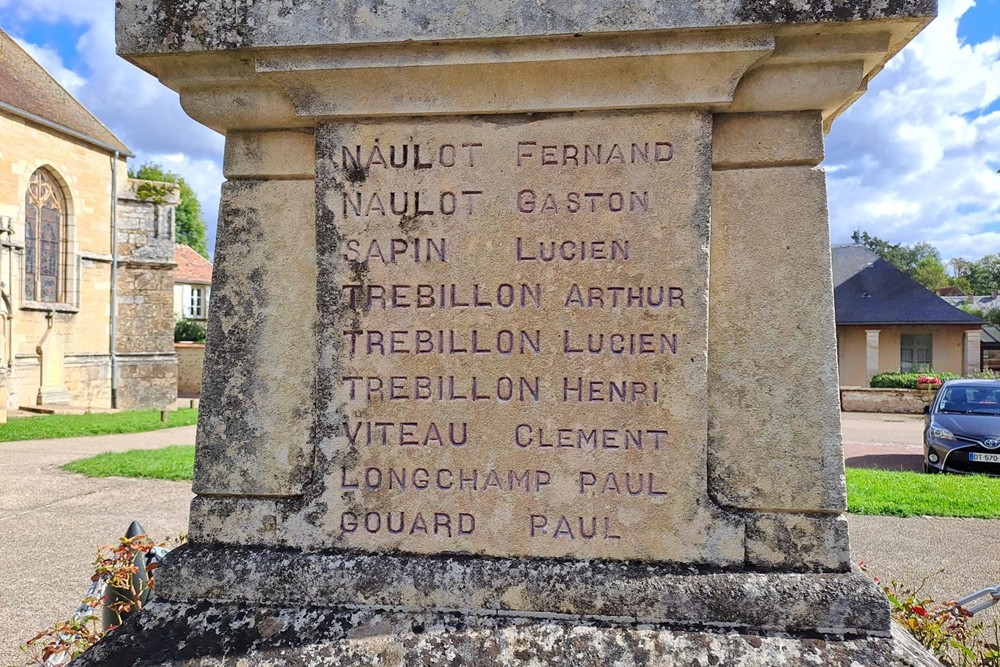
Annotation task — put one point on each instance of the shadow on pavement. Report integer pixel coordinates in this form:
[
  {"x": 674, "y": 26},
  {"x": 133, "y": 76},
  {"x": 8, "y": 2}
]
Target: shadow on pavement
[{"x": 912, "y": 462}]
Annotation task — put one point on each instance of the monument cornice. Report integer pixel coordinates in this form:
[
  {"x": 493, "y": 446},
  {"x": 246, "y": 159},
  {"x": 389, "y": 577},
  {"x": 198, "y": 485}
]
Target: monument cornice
[{"x": 723, "y": 70}]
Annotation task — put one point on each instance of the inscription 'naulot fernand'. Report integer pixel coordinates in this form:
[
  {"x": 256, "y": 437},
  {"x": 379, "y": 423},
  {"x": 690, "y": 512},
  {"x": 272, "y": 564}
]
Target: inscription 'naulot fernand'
[{"x": 450, "y": 194}]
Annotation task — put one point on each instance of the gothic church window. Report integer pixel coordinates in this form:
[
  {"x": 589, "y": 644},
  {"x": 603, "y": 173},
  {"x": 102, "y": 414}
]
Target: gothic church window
[{"x": 44, "y": 232}]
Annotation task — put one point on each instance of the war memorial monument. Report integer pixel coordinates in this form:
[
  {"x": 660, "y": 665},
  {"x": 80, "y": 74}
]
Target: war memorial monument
[{"x": 522, "y": 344}]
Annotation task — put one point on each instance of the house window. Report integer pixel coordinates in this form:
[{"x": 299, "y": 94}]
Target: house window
[
  {"x": 196, "y": 303},
  {"x": 915, "y": 353},
  {"x": 44, "y": 231}
]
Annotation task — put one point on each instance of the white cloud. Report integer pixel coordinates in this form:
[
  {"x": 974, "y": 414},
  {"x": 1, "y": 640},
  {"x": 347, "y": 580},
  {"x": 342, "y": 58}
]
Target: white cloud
[{"x": 916, "y": 158}]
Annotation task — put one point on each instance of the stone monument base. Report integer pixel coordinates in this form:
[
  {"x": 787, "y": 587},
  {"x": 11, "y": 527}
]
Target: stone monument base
[
  {"x": 215, "y": 606},
  {"x": 207, "y": 634}
]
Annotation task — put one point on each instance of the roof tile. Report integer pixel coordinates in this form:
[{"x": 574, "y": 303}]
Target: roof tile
[
  {"x": 191, "y": 267},
  {"x": 869, "y": 290},
  {"x": 27, "y": 87}
]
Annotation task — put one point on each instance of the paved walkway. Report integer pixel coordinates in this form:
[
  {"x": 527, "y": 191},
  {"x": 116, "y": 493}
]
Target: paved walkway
[
  {"x": 888, "y": 442},
  {"x": 51, "y": 523}
]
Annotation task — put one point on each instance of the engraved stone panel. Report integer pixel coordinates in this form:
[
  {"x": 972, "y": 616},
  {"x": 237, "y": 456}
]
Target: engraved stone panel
[{"x": 512, "y": 339}]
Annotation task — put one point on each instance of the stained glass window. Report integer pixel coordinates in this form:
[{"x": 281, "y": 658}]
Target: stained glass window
[{"x": 44, "y": 220}]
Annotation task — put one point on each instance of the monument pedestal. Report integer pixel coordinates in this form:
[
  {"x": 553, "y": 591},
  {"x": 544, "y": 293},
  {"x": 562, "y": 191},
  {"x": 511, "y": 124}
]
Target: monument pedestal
[{"x": 522, "y": 343}]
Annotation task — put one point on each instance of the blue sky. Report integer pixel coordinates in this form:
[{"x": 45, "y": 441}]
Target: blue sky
[{"x": 916, "y": 159}]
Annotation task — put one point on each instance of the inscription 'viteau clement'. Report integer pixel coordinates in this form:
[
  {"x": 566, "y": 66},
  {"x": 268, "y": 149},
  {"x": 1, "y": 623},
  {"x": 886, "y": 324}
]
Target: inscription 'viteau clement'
[{"x": 506, "y": 302}]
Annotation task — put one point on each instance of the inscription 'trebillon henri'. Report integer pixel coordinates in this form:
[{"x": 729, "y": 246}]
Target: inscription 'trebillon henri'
[{"x": 518, "y": 335}]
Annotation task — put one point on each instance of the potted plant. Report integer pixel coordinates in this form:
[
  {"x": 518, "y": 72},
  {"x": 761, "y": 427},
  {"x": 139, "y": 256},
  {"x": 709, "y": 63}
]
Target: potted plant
[{"x": 928, "y": 382}]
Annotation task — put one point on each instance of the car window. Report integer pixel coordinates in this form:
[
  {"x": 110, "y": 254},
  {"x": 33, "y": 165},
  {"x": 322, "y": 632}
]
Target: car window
[{"x": 970, "y": 400}]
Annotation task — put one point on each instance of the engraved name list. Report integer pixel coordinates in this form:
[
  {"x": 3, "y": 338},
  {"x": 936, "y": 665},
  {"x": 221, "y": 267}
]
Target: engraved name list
[{"x": 514, "y": 318}]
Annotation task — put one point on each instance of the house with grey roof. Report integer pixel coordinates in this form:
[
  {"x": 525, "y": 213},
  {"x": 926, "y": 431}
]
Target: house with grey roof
[{"x": 887, "y": 321}]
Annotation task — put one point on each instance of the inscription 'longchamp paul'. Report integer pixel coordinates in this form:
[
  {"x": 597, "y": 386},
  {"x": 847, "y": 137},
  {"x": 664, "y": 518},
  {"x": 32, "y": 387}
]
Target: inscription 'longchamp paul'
[{"x": 513, "y": 336}]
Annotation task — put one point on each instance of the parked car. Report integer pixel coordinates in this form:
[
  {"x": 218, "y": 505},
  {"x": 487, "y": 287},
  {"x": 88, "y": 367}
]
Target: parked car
[{"x": 962, "y": 428}]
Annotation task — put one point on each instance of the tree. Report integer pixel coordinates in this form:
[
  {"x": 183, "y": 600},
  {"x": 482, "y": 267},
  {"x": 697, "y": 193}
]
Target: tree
[
  {"x": 984, "y": 274},
  {"x": 991, "y": 315},
  {"x": 930, "y": 272},
  {"x": 190, "y": 227}
]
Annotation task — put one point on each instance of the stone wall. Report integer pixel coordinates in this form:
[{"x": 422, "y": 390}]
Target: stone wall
[
  {"x": 147, "y": 374},
  {"x": 84, "y": 173},
  {"x": 190, "y": 360},
  {"x": 87, "y": 379},
  {"x": 147, "y": 381},
  {"x": 899, "y": 401},
  {"x": 146, "y": 211},
  {"x": 3, "y": 395},
  {"x": 145, "y": 309}
]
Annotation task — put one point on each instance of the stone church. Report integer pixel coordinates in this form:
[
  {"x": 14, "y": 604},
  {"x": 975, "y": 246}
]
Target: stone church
[{"x": 86, "y": 255}]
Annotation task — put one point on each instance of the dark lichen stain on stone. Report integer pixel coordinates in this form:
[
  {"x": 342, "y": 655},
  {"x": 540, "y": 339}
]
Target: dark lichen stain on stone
[
  {"x": 797, "y": 11},
  {"x": 409, "y": 224},
  {"x": 355, "y": 173}
]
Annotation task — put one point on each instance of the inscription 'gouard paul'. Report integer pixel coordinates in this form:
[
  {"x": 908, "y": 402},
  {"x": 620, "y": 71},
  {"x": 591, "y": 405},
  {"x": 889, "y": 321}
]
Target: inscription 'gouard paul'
[{"x": 514, "y": 336}]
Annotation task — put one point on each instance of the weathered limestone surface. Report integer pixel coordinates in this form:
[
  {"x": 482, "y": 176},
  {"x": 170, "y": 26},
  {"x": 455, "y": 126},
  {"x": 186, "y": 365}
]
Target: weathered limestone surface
[
  {"x": 611, "y": 591},
  {"x": 163, "y": 26},
  {"x": 522, "y": 346},
  {"x": 382, "y": 638},
  {"x": 257, "y": 405}
]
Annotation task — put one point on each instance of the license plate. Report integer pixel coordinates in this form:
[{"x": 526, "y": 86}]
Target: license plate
[{"x": 984, "y": 458}]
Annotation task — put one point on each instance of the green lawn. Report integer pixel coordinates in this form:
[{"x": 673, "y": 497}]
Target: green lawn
[
  {"x": 913, "y": 494},
  {"x": 70, "y": 426},
  {"x": 174, "y": 463}
]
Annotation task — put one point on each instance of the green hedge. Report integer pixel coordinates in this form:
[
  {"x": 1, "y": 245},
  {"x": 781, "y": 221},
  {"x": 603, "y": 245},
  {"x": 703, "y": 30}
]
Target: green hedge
[
  {"x": 906, "y": 380},
  {"x": 189, "y": 331}
]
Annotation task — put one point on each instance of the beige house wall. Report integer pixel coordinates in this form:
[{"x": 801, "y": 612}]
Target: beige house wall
[
  {"x": 81, "y": 320},
  {"x": 947, "y": 353}
]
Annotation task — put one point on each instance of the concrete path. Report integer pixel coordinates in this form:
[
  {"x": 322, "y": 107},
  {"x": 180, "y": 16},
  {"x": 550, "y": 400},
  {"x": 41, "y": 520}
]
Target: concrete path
[
  {"x": 884, "y": 441},
  {"x": 51, "y": 523}
]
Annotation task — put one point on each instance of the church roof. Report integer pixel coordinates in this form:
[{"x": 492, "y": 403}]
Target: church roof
[
  {"x": 869, "y": 290},
  {"x": 27, "y": 90}
]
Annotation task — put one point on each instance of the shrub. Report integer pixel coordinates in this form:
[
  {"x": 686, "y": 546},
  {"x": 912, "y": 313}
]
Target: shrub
[
  {"x": 906, "y": 380},
  {"x": 122, "y": 584},
  {"x": 985, "y": 375},
  {"x": 189, "y": 331},
  {"x": 947, "y": 630}
]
